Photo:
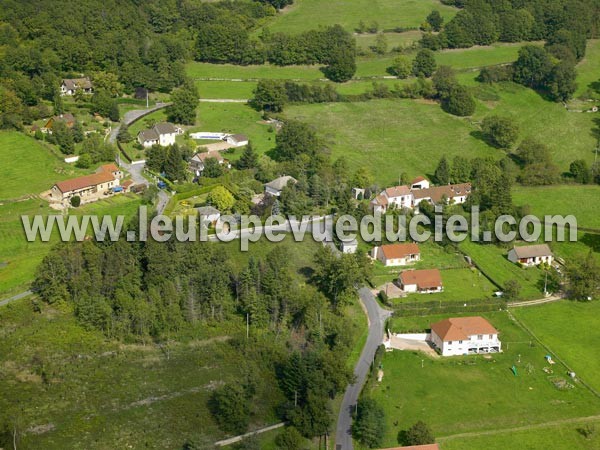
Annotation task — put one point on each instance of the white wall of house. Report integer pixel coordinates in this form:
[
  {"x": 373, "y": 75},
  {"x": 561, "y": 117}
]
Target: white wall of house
[
  {"x": 488, "y": 343},
  {"x": 536, "y": 261},
  {"x": 409, "y": 287},
  {"x": 167, "y": 139},
  {"x": 271, "y": 191},
  {"x": 397, "y": 261}
]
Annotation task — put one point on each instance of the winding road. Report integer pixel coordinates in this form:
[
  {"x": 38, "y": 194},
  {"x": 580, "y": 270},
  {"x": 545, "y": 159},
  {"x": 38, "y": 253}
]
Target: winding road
[{"x": 377, "y": 317}]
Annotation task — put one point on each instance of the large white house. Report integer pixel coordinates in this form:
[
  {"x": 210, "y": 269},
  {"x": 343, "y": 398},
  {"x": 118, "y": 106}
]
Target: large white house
[
  {"x": 162, "y": 134},
  {"x": 531, "y": 255},
  {"x": 465, "y": 336},
  {"x": 397, "y": 254},
  {"x": 399, "y": 197}
]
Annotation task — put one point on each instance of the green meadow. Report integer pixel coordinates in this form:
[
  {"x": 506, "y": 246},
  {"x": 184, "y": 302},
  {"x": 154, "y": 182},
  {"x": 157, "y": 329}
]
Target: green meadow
[
  {"x": 493, "y": 262},
  {"x": 580, "y": 201},
  {"x": 475, "y": 393},
  {"x": 389, "y": 14},
  {"x": 29, "y": 166}
]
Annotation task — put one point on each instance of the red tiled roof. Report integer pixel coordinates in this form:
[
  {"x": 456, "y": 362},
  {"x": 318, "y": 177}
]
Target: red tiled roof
[
  {"x": 418, "y": 180},
  {"x": 460, "y": 328},
  {"x": 396, "y": 251},
  {"x": 108, "y": 168},
  {"x": 437, "y": 193},
  {"x": 83, "y": 182},
  {"x": 203, "y": 156},
  {"x": 424, "y": 279},
  {"x": 397, "y": 191}
]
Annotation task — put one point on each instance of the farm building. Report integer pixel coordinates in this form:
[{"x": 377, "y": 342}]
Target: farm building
[
  {"x": 531, "y": 255},
  {"x": 88, "y": 187},
  {"x": 276, "y": 186},
  {"x": 198, "y": 160},
  {"x": 71, "y": 85},
  {"x": 112, "y": 169},
  {"x": 419, "y": 190},
  {"x": 465, "y": 336},
  {"x": 425, "y": 281},
  {"x": 237, "y": 140},
  {"x": 162, "y": 134},
  {"x": 67, "y": 118},
  {"x": 397, "y": 254}
]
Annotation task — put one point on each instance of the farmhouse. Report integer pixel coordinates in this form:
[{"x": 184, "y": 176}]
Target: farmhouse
[
  {"x": 209, "y": 214},
  {"x": 162, "y": 134},
  {"x": 67, "y": 118},
  {"x": 112, "y": 169},
  {"x": 397, "y": 254},
  {"x": 70, "y": 85},
  {"x": 425, "y": 281},
  {"x": 420, "y": 190},
  {"x": 88, "y": 187},
  {"x": 465, "y": 336},
  {"x": 276, "y": 186},
  {"x": 237, "y": 140},
  {"x": 531, "y": 255},
  {"x": 198, "y": 160}
]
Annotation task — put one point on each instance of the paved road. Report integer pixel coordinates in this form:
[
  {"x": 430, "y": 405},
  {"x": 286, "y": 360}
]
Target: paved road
[
  {"x": 15, "y": 297},
  {"x": 377, "y": 317},
  {"x": 131, "y": 116}
]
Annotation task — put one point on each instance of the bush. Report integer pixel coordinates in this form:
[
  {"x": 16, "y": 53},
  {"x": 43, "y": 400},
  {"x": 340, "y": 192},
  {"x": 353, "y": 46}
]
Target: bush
[
  {"x": 502, "y": 132},
  {"x": 75, "y": 201},
  {"x": 401, "y": 67},
  {"x": 459, "y": 102},
  {"x": 424, "y": 64}
]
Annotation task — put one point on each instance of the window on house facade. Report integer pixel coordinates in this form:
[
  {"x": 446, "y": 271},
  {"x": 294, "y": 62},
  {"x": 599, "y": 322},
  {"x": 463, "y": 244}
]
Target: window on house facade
[
  {"x": 460, "y": 342},
  {"x": 449, "y": 342},
  {"x": 480, "y": 336}
]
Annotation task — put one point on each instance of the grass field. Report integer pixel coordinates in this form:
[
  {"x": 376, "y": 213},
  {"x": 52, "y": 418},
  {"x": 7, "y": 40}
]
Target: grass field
[
  {"x": 570, "y": 329},
  {"x": 475, "y": 57},
  {"x": 468, "y": 394},
  {"x": 580, "y": 201},
  {"x": 389, "y": 14},
  {"x": 392, "y": 136},
  {"x": 20, "y": 258},
  {"x": 28, "y": 166},
  {"x": 402, "y": 40},
  {"x": 493, "y": 262},
  {"x": 563, "y": 437},
  {"x": 588, "y": 70}
]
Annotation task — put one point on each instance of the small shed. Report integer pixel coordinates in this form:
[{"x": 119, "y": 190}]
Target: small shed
[{"x": 349, "y": 246}]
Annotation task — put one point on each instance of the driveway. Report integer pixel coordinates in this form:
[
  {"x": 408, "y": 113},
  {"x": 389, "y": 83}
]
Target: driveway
[{"x": 377, "y": 317}]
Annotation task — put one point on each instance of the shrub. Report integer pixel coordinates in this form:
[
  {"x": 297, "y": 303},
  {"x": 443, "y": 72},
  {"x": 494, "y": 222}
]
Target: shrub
[
  {"x": 75, "y": 201},
  {"x": 459, "y": 102}
]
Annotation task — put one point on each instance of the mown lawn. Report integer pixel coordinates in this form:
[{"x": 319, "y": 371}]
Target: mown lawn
[
  {"x": 200, "y": 70},
  {"x": 469, "y": 58},
  {"x": 493, "y": 262},
  {"x": 29, "y": 167},
  {"x": 571, "y": 329},
  {"x": 465, "y": 394},
  {"x": 579, "y": 200},
  {"x": 310, "y": 14}
]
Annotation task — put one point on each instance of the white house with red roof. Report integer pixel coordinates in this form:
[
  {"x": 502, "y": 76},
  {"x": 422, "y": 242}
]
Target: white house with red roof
[
  {"x": 425, "y": 281},
  {"x": 398, "y": 197},
  {"x": 465, "y": 336},
  {"x": 397, "y": 254}
]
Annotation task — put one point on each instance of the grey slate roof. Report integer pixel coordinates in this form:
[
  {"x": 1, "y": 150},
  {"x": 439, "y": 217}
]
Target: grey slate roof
[
  {"x": 73, "y": 84},
  {"x": 279, "y": 183},
  {"x": 148, "y": 135},
  {"x": 165, "y": 128}
]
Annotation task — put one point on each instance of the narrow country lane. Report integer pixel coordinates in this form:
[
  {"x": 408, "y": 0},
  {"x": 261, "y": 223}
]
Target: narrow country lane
[{"x": 377, "y": 317}]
